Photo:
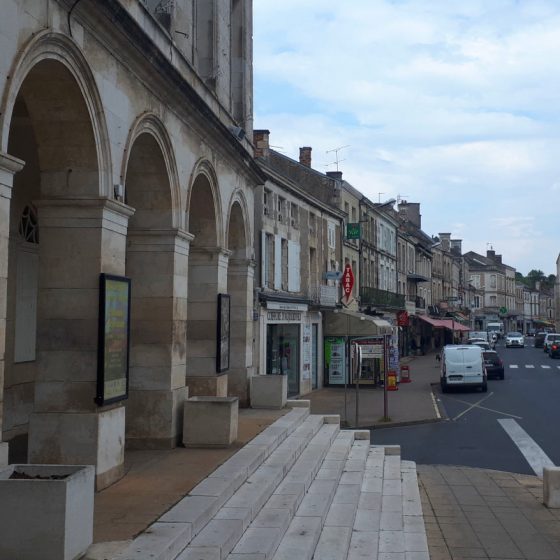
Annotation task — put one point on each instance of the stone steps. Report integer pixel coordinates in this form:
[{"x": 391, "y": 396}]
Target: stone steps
[
  {"x": 168, "y": 536},
  {"x": 303, "y": 489}
]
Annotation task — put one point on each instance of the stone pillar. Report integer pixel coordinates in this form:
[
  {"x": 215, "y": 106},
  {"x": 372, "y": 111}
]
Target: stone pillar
[
  {"x": 240, "y": 287},
  {"x": 157, "y": 263},
  {"x": 207, "y": 278},
  {"x": 80, "y": 238},
  {"x": 8, "y": 167}
]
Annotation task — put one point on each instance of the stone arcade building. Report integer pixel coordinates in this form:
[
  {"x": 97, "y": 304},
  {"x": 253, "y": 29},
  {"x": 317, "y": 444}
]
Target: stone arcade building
[{"x": 122, "y": 151}]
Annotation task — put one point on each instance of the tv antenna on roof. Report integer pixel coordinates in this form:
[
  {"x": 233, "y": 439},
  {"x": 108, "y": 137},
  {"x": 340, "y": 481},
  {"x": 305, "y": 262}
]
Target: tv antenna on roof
[
  {"x": 400, "y": 198},
  {"x": 336, "y": 150}
]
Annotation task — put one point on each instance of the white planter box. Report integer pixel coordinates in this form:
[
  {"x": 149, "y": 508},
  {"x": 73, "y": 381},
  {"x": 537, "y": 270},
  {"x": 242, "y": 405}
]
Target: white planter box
[
  {"x": 46, "y": 518},
  {"x": 210, "y": 421},
  {"x": 269, "y": 391}
]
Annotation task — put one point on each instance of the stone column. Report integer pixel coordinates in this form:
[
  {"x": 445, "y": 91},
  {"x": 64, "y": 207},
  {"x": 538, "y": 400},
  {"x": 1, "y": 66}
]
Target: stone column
[
  {"x": 80, "y": 238},
  {"x": 240, "y": 287},
  {"x": 207, "y": 278},
  {"x": 157, "y": 262},
  {"x": 8, "y": 167}
]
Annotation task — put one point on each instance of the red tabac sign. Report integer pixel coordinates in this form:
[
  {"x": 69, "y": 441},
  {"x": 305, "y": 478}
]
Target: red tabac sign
[
  {"x": 347, "y": 281},
  {"x": 402, "y": 319}
]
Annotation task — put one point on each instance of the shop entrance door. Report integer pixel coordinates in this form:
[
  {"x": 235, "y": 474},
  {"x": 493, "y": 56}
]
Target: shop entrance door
[{"x": 282, "y": 354}]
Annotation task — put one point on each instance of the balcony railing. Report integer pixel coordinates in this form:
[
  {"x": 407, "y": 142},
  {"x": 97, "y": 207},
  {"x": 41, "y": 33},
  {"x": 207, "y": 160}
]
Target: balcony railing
[{"x": 374, "y": 296}]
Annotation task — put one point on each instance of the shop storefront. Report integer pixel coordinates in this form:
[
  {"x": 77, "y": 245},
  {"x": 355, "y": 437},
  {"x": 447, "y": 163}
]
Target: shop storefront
[{"x": 290, "y": 343}]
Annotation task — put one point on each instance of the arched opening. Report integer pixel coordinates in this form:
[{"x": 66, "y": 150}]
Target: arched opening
[
  {"x": 51, "y": 341},
  {"x": 207, "y": 278},
  {"x": 156, "y": 264},
  {"x": 240, "y": 289}
]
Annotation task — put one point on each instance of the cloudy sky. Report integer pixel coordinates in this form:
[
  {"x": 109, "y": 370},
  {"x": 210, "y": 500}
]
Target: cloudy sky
[{"x": 453, "y": 104}]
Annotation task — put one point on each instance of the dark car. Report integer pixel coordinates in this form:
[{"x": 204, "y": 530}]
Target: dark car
[
  {"x": 554, "y": 349},
  {"x": 539, "y": 339},
  {"x": 493, "y": 364}
]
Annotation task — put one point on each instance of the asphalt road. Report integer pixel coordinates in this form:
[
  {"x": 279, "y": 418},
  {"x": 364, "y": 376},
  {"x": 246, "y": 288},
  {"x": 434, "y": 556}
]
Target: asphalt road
[{"x": 529, "y": 397}]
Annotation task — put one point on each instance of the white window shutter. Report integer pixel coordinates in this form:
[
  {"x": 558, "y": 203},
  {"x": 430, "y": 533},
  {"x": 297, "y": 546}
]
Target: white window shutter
[
  {"x": 293, "y": 266},
  {"x": 277, "y": 262},
  {"x": 264, "y": 256}
]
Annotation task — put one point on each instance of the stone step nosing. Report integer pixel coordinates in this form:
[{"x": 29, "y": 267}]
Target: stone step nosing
[{"x": 258, "y": 489}]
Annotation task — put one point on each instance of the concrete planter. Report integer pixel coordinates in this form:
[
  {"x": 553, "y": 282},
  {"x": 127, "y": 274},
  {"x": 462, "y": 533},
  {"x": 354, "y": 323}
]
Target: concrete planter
[
  {"x": 210, "y": 421},
  {"x": 269, "y": 391},
  {"x": 46, "y": 518}
]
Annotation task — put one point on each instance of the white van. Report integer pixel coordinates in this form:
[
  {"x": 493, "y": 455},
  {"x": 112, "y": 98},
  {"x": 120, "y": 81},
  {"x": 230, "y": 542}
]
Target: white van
[
  {"x": 482, "y": 335},
  {"x": 462, "y": 366}
]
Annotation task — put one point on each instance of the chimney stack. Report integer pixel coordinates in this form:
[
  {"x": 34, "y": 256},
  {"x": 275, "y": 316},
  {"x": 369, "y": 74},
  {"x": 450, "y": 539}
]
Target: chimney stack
[
  {"x": 336, "y": 175},
  {"x": 261, "y": 143},
  {"x": 445, "y": 241},
  {"x": 490, "y": 254},
  {"x": 305, "y": 156},
  {"x": 410, "y": 211},
  {"x": 457, "y": 247}
]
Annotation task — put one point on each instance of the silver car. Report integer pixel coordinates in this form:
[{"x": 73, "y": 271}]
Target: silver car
[{"x": 515, "y": 339}]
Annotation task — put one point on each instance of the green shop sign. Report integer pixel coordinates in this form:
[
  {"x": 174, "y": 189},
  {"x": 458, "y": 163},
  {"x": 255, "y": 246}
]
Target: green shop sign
[{"x": 353, "y": 231}]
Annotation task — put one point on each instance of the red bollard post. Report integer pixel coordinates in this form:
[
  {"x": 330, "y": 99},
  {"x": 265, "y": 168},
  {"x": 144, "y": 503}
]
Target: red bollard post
[{"x": 405, "y": 374}]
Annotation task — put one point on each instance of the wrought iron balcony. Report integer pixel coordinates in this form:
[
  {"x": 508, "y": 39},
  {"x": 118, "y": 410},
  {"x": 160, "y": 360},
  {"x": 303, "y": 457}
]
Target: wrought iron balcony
[{"x": 384, "y": 298}]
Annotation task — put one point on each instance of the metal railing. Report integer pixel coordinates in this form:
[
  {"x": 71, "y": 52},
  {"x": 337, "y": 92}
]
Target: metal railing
[{"x": 374, "y": 296}]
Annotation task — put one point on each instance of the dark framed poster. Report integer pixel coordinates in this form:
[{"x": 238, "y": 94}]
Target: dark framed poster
[
  {"x": 222, "y": 351},
  {"x": 113, "y": 347}
]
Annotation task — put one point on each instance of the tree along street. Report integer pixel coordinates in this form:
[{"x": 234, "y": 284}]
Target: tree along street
[{"x": 513, "y": 427}]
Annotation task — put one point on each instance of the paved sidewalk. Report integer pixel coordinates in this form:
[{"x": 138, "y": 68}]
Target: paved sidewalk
[
  {"x": 478, "y": 513},
  {"x": 412, "y": 403}
]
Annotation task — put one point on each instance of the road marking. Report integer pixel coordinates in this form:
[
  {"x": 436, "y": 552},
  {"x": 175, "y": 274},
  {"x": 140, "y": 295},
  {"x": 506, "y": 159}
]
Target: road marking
[
  {"x": 438, "y": 415},
  {"x": 533, "y": 454},
  {"x": 477, "y": 403},
  {"x": 545, "y": 367},
  {"x": 488, "y": 409},
  {"x": 513, "y": 366},
  {"x": 529, "y": 366}
]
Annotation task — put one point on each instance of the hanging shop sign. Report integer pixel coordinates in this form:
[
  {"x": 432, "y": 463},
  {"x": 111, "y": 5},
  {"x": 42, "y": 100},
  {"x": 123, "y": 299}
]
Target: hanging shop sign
[
  {"x": 402, "y": 319},
  {"x": 353, "y": 231},
  {"x": 113, "y": 346},
  {"x": 347, "y": 281}
]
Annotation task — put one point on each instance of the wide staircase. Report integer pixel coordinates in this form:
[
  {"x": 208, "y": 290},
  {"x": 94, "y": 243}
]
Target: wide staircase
[{"x": 302, "y": 489}]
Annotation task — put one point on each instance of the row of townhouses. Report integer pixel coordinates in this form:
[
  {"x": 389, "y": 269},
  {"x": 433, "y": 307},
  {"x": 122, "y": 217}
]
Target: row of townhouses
[{"x": 153, "y": 247}]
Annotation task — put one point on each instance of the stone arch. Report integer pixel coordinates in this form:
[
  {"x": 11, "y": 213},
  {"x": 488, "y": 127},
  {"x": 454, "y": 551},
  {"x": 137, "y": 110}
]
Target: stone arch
[
  {"x": 207, "y": 278},
  {"x": 204, "y": 195},
  {"x": 239, "y": 219},
  {"x": 149, "y": 124},
  {"x": 51, "y": 46},
  {"x": 240, "y": 289},
  {"x": 156, "y": 262}
]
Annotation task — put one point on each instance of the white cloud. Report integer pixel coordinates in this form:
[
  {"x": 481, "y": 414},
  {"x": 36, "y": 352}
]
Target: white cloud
[{"x": 453, "y": 104}]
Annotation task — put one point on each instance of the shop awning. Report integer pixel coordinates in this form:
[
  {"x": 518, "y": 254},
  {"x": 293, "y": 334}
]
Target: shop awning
[
  {"x": 344, "y": 322},
  {"x": 454, "y": 325},
  {"x": 436, "y": 323},
  {"x": 444, "y": 323}
]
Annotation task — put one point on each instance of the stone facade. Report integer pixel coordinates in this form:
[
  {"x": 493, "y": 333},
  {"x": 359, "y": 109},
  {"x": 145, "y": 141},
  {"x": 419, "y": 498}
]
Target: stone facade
[{"x": 122, "y": 151}]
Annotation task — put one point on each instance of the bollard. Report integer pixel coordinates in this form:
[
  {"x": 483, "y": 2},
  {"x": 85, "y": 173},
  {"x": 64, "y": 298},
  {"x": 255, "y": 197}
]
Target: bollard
[{"x": 551, "y": 487}]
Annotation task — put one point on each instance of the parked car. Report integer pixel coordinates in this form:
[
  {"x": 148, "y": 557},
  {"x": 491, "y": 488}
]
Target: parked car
[
  {"x": 554, "y": 351},
  {"x": 462, "y": 365},
  {"x": 515, "y": 339},
  {"x": 549, "y": 339},
  {"x": 484, "y": 345},
  {"x": 539, "y": 339},
  {"x": 493, "y": 364}
]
